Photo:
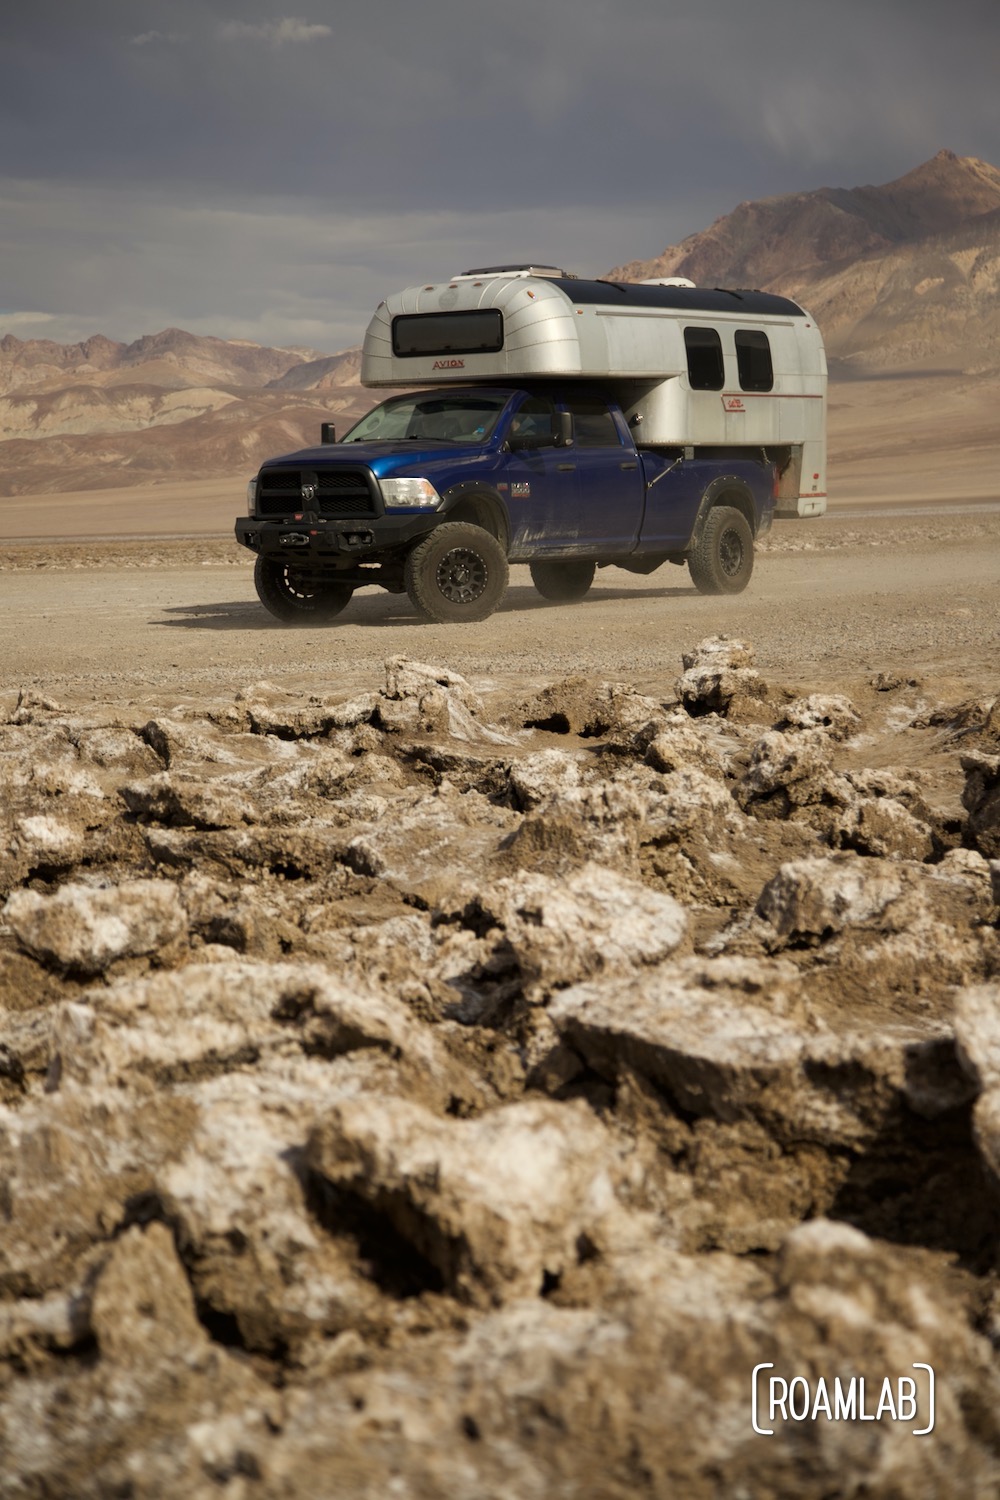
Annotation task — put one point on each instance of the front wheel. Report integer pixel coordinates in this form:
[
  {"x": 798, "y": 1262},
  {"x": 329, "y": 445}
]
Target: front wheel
[
  {"x": 721, "y": 561},
  {"x": 457, "y": 573},
  {"x": 298, "y": 597},
  {"x": 565, "y": 582}
]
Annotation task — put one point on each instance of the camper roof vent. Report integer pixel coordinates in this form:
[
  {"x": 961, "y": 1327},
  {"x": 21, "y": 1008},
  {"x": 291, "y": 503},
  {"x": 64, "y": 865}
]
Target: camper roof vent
[
  {"x": 666, "y": 281},
  {"x": 552, "y": 271}
]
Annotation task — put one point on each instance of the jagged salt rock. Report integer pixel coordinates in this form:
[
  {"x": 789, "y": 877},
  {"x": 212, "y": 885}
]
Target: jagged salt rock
[
  {"x": 981, "y": 798},
  {"x": 817, "y": 897},
  {"x": 544, "y": 774},
  {"x": 494, "y": 1203},
  {"x": 595, "y": 921},
  {"x": 833, "y": 713},
  {"x": 83, "y": 929},
  {"x": 719, "y": 677}
]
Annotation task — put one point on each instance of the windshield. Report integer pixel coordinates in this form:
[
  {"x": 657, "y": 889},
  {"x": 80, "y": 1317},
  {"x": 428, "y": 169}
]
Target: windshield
[{"x": 449, "y": 418}]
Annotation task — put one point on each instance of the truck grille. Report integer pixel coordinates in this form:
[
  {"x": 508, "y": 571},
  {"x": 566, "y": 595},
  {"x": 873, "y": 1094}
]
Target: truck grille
[{"x": 339, "y": 492}]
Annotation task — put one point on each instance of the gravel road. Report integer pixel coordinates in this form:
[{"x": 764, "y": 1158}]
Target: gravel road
[{"x": 831, "y": 599}]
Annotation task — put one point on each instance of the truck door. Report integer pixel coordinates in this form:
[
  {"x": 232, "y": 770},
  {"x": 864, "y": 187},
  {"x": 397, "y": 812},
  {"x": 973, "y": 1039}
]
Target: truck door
[
  {"x": 542, "y": 489},
  {"x": 610, "y": 481},
  {"x": 673, "y": 495}
]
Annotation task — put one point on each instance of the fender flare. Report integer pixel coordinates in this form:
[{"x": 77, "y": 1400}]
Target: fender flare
[
  {"x": 736, "y": 492},
  {"x": 484, "y": 496}
]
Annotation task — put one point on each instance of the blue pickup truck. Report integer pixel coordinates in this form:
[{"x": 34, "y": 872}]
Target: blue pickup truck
[
  {"x": 434, "y": 493},
  {"x": 545, "y": 419}
]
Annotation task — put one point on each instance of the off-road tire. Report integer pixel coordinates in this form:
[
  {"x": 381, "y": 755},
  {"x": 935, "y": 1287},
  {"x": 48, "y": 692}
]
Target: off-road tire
[
  {"x": 721, "y": 560},
  {"x": 457, "y": 573},
  {"x": 296, "y": 598},
  {"x": 565, "y": 582}
]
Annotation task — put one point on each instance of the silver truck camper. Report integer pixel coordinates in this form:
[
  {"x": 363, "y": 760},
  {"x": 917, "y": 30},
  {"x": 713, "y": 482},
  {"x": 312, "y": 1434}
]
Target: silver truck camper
[{"x": 691, "y": 367}]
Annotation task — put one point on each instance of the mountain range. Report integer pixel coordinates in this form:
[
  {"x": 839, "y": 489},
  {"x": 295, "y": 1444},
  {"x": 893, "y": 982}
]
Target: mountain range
[
  {"x": 101, "y": 414},
  {"x": 902, "y": 278}
]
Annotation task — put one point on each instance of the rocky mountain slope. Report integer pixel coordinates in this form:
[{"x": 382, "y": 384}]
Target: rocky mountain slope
[
  {"x": 898, "y": 276},
  {"x": 170, "y": 405},
  {"x": 761, "y": 243},
  {"x": 447, "y": 1094},
  {"x": 172, "y": 359},
  {"x": 326, "y": 373}
]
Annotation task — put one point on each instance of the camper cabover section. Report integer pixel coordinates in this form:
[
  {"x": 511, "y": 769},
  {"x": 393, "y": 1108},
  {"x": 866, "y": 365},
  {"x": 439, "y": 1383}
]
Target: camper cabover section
[
  {"x": 477, "y": 328},
  {"x": 692, "y": 367}
]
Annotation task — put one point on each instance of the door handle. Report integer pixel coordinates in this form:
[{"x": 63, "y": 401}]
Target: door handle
[
  {"x": 566, "y": 468},
  {"x": 630, "y": 466}
]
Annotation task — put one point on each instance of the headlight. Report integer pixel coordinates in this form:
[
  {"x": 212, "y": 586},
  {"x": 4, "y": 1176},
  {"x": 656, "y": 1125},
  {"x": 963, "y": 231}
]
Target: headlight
[
  {"x": 409, "y": 492},
  {"x": 252, "y": 497}
]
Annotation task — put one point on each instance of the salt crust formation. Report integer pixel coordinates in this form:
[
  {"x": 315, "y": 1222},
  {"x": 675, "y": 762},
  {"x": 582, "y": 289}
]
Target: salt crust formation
[{"x": 458, "y": 1093}]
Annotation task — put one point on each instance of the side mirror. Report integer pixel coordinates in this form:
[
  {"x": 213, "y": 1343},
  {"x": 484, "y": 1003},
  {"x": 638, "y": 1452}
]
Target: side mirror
[
  {"x": 562, "y": 429},
  {"x": 327, "y": 432}
]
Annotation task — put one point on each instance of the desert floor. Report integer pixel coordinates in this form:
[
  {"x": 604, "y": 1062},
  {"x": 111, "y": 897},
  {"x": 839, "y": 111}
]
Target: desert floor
[
  {"x": 901, "y": 572},
  {"x": 831, "y": 600},
  {"x": 460, "y": 1089}
]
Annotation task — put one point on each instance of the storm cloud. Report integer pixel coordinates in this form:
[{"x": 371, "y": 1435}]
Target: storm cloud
[{"x": 236, "y": 170}]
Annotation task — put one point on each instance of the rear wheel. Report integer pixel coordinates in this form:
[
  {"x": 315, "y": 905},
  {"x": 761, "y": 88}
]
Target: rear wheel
[
  {"x": 296, "y": 596},
  {"x": 564, "y": 582},
  {"x": 721, "y": 561},
  {"x": 457, "y": 573}
]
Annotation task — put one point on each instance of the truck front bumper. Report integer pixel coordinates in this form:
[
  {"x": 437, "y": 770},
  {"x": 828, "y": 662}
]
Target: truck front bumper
[{"x": 320, "y": 543}]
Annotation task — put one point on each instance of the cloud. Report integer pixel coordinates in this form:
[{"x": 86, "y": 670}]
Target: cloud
[
  {"x": 159, "y": 183},
  {"x": 9, "y": 320},
  {"x": 278, "y": 271},
  {"x": 565, "y": 102},
  {"x": 275, "y": 33},
  {"x": 145, "y": 38}
]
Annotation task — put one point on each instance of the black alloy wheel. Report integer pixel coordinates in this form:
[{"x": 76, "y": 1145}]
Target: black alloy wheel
[
  {"x": 462, "y": 576},
  {"x": 297, "y": 597},
  {"x": 721, "y": 560},
  {"x": 457, "y": 573}
]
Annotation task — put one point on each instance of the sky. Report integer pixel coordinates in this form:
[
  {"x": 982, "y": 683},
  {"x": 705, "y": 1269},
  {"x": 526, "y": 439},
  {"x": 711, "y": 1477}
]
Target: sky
[{"x": 231, "y": 169}]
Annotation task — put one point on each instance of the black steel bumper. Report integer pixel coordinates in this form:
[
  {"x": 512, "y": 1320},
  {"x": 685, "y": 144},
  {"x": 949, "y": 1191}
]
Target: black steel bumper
[{"x": 343, "y": 543}]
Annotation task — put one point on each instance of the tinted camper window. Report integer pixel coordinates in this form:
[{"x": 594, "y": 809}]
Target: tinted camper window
[
  {"x": 704, "y": 357},
  {"x": 753, "y": 356},
  {"x": 448, "y": 333}
]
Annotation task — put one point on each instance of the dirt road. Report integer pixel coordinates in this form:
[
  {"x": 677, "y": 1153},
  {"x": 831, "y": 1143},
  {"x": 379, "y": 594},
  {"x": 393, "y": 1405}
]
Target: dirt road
[{"x": 835, "y": 598}]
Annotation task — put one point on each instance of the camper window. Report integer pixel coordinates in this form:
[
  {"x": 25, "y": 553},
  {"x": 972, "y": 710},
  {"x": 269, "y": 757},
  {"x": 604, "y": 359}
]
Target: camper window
[
  {"x": 448, "y": 333},
  {"x": 704, "y": 357},
  {"x": 753, "y": 356}
]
